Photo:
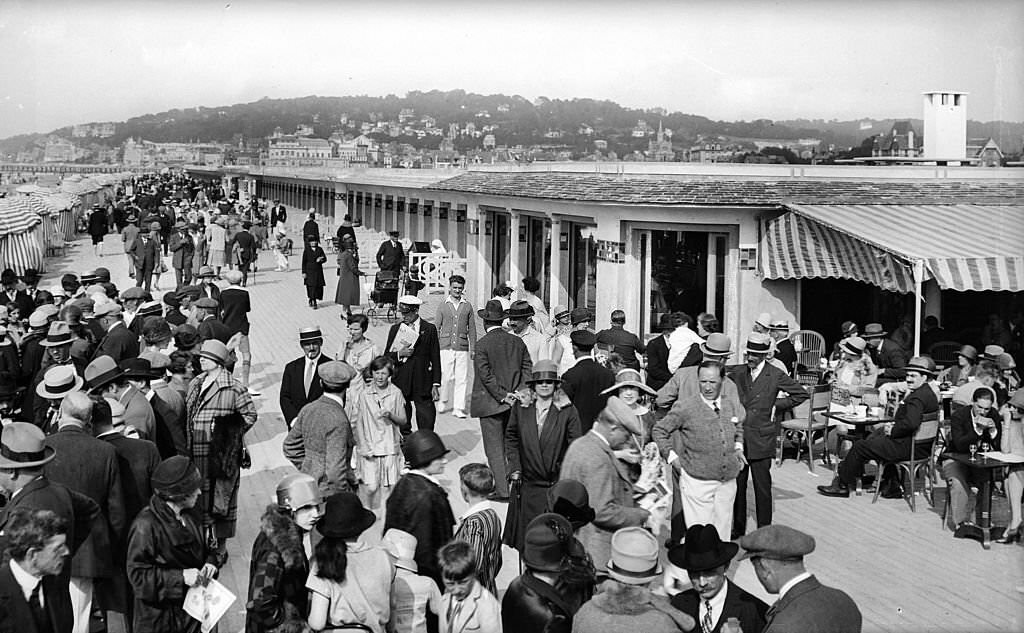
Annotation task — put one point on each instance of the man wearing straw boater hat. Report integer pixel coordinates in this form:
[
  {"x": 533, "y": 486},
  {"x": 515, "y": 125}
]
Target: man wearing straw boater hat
[
  {"x": 58, "y": 354},
  {"x": 300, "y": 382},
  {"x": 57, "y": 382}
]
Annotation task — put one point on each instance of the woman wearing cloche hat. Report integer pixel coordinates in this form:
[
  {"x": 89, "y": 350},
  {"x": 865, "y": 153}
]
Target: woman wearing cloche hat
[
  {"x": 536, "y": 601},
  {"x": 536, "y": 439}
]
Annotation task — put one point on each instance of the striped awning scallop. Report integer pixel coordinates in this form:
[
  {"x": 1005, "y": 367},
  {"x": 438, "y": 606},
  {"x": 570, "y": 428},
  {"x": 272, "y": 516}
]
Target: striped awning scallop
[
  {"x": 17, "y": 215},
  {"x": 963, "y": 247}
]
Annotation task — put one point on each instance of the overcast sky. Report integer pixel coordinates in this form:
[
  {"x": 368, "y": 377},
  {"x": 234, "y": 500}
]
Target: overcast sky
[{"x": 71, "y": 62}]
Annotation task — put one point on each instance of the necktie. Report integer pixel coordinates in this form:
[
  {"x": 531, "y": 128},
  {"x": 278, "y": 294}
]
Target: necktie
[
  {"x": 39, "y": 614},
  {"x": 705, "y": 622},
  {"x": 454, "y": 609},
  {"x": 717, "y": 411},
  {"x": 307, "y": 380}
]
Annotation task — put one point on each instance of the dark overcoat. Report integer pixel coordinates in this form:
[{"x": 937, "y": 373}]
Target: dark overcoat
[
  {"x": 420, "y": 507},
  {"x": 417, "y": 374},
  {"x": 759, "y": 398},
  {"x": 501, "y": 365}
]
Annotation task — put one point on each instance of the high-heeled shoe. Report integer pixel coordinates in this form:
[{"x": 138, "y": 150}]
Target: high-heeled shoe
[{"x": 1010, "y": 536}]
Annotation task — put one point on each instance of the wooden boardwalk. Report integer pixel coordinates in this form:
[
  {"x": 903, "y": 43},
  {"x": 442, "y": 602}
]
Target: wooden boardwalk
[{"x": 903, "y": 569}]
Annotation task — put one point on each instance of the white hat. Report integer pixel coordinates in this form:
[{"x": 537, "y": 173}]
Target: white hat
[{"x": 410, "y": 300}]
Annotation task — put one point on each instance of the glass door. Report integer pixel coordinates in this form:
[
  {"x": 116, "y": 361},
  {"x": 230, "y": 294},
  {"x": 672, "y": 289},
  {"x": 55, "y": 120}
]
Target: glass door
[{"x": 538, "y": 253}]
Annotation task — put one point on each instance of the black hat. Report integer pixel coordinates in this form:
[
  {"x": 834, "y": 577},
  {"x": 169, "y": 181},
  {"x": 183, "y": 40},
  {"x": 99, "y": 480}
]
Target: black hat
[
  {"x": 492, "y": 311},
  {"x": 136, "y": 368},
  {"x": 175, "y": 476},
  {"x": 171, "y": 299},
  {"x": 31, "y": 275},
  {"x": 583, "y": 339},
  {"x": 546, "y": 542},
  {"x": 569, "y": 498},
  {"x": 702, "y": 549},
  {"x": 186, "y": 337},
  {"x": 520, "y": 310},
  {"x": 345, "y": 516},
  {"x": 580, "y": 315},
  {"x": 422, "y": 447}
]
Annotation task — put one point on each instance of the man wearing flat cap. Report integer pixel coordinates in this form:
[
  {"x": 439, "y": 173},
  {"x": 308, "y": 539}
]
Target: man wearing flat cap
[
  {"x": 587, "y": 378},
  {"x": 591, "y": 460},
  {"x": 319, "y": 442},
  {"x": 713, "y": 598},
  {"x": 300, "y": 382},
  {"x": 414, "y": 346},
  {"x": 209, "y": 325},
  {"x": 777, "y": 554},
  {"x": 118, "y": 342}
]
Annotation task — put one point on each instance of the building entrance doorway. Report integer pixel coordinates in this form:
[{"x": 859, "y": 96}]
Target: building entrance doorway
[{"x": 682, "y": 271}]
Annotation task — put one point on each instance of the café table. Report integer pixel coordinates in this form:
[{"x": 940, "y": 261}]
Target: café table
[
  {"x": 983, "y": 531},
  {"x": 860, "y": 426}
]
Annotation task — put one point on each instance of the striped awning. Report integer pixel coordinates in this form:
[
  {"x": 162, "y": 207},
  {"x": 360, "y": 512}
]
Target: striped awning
[
  {"x": 963, "y": 247},
  {"x": 17, "y": 215}
]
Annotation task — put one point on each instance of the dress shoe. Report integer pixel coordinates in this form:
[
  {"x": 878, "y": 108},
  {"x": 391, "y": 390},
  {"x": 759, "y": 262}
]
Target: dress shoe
[
  {"x": 891, "y": 490},
  {"x": 1010, "y": 536},
  {"x": 459, "y": 413},
  {"x": 835, "y": 489},
  {"x": 964, "y": 529}
]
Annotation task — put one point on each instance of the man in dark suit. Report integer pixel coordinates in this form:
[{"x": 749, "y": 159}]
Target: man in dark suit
[
  {"x": 136, "y": 459},
  {"x": 501, "y": 366},
  {"x": 246, "y": 245},
  {"x": 278, "y": 214},
  {"x": 657, "y": 355},
  {"x": 37, "y": 548},
  {"x": 785, "y": 353},
  {"x": 300, "y": 382},
  {"x": 89, "y": 466},
  {"x": 390, "y": 255},
  {"x": 118, "y": 343},
  {"x": 777, "y": 554},
  {"x": 207, "y": 313},
  {"x": 759, "y": 384},
  {"x": 11, "y": 294},
  {"x": 975, "y": 424},
  {"x": 416, "y": 350},
  {"x": 144, "y": 253},
  {"x": 585, "y": 381},
  {"x": 893, "y": 442},
  {"x": 887, "y": 354},
  {"x": 714, "y": 599}
]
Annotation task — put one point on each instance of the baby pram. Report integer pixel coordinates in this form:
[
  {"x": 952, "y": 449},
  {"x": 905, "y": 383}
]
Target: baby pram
[{"x": 385, "y": 293}]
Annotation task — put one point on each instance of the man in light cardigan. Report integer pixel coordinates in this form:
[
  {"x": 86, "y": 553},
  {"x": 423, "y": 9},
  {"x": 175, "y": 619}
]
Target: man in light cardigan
[
  {"x": 711, "y": 434},
  {"x": 456, "y": 332}
]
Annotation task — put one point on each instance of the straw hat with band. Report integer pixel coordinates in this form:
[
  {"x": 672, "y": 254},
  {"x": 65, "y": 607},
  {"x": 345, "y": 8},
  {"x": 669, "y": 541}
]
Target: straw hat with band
[
  {"x": 22, "y": 446},
  {"x": 345, "y": 516},
  {"x": 408, "y": 303},
  {"x": 629, "y": 378},
  {"x": 764, "y": 320},
  {"x": 59, "y": 334},
  {"x": 310, "y": 335},
  {"x": 634, "y": 556},
  {"x": 853, "y": 345},
  {"x": 922, "y": 365},
  {"x": 758, "y": 343},
  {"x": 59, "y": 381}
]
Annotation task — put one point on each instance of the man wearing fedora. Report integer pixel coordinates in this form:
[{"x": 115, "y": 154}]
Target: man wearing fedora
[
  {"x": 33, "y": 587},
  {"x": 627, "y": 345},
  {"x": 520, "y": 318},
  {"x": 713, "y": 599},
  {"x": 319, "y": 442},
  {"x": 536, "y": 439},
  {"x": 413, "y": 346},
  {"x": 501, "y": 365},
  {"x": 88, "y": 465},
  {"x": 300, "y": 382},
  {"x": 777, "y": 554},
  {"x": 759, "y": 385},
  {"x": 145, "y": 252},
  {"x": 587, "y": 378},
  {"x": 889, "y": 357},
  {"x": 893, "y": 442},
  {"x": 118, "y": 342},
  {"x": 591, "y": 461},
  {"x": 183, "y": 248}
]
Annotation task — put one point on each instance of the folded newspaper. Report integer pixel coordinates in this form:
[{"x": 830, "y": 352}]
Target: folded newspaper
[
  {"x": 208, "y": 604},
  {"x": 653, "y": 490}
]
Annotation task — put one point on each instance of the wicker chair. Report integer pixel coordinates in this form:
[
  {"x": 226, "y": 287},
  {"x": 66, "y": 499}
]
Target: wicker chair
[
  {"x": 944, "y": 352},
  {"x": 925, "y": 436},
  {"x": 811, "y": 346},
  {"x": 807, "y": 420}
]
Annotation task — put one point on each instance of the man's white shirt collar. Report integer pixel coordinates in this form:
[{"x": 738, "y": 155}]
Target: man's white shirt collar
[{"x": 792, "y": 581}]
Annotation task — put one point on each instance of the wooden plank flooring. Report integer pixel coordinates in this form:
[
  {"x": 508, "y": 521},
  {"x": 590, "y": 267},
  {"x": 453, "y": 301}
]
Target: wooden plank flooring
[{"x": 904, "y": 570}]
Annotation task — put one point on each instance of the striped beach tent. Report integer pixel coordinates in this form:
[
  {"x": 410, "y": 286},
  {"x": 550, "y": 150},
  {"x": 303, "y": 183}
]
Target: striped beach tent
[{"x": 20, "y": 243}]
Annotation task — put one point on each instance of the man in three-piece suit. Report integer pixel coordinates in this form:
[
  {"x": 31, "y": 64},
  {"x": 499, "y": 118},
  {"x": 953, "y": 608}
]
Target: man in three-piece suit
[
  {"x": 657, "y": 355},
  {"x": 759, "y": 384},
  {"x": 146, "y": 256},
  {"x": 501, "y": 367},
  {"x": 390, "y": 255},
  {"x": 585, "y": 381},
  {"x": 777, "y": 554},
  {"x": 300, "y": 381},
  {"x": 413, "y": 345},
  {"x": 714, "y": 599},
  {"x": 34, "y": 596}
]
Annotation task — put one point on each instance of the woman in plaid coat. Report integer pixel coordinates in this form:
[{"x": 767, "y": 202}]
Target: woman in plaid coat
[{"x": 220, "y": 412}]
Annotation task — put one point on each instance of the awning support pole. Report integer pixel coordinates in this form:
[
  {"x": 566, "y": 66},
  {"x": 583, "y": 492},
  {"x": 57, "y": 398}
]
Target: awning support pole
[{"x": 918, "y": 303}]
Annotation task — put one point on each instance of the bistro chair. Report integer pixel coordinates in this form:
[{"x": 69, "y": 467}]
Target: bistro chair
[
  {"x": 944, "y": 352},
  {"x": 925, "y": 436},
  {"x": 807, "y": 420},
  {"x": 810, "y": 348}
]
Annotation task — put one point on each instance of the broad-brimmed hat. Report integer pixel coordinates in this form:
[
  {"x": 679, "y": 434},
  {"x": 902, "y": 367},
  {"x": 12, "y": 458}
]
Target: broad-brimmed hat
[
  {"x": 206, "y": 271},
  {"x": 717, "y": 344},
  {"x": 634, "y": 556},
  {"x": 58, "y": 334},
  {"x": 853, "y": 345},
  {"x": 702, "y": 550},
  {"x": 101, "y": 372},
  {"x": 969, "y": 352},
  {"x": 764, "y": 320},
  {"x": 922, "y": 364},
  {"x": 629, "y": 378},
  {"x": 492, "y": 311},
  {"x": 336, "y": 373},
  {"x": 546, "y": 542},
  {"x": 345, "y": 516},
  {"x": 873, "y": 330},
  {"x": 310, "y": 335},
  {"x": 521, "y": 310},
  {"x": 758, "y": 343},
  {"x": 1005, "y": 361},
  {"x": 408, "y": 303},
  {"x": 580, "y": 315},
  {"x": 619, "y": 413},
  {"x": 992, "y": 352},
  {"x": 59, "y": 381},
  {"x": 544, "y": 370},
  {"x": 214, "y": 350},
  {"x": 21, "y": 446},
  {"x": 401, "y": 546},
  {"x": 136, "y": 368},
  {"x": 777, "y": 542},
  {"x": 779, "y": 324},
  {"x": 422, "y": 447},
  {"x": 569, "y": 498},
  {"x": 158, "y": 363}
]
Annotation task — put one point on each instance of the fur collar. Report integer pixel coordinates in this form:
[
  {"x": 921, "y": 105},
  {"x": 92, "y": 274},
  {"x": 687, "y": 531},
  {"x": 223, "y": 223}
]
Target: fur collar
[
  {"x": 284, "y": 536},
  {"x": 622, "y": 599}
]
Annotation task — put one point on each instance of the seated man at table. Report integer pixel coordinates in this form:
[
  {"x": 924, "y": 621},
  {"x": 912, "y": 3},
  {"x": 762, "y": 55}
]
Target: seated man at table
[
  {"x": 984, "y": 377},
  {"x": 892, "y": 442},
  {"x": 970, "y": 425}
]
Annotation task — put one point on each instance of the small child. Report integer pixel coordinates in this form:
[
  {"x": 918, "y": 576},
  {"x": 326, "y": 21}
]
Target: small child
[
  {"x": 480, "y": 525},
  {"x": 466, "y": 605},
  {"x": 411, "y": 594}
]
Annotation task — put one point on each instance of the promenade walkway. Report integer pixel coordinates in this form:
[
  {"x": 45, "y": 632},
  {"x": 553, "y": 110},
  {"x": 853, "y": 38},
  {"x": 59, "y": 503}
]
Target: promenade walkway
[{"x": 905, "y": 572}]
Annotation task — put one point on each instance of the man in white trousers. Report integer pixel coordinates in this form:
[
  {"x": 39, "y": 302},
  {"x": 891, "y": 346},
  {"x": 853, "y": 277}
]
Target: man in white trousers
[{"x": 456, "y": 332}]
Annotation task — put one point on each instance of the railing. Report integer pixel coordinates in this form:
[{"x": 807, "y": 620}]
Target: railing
[{"x": 433, "y": 269}]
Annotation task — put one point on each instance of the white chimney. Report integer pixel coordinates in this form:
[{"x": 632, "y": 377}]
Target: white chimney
[{"x": 945, "y": 124}]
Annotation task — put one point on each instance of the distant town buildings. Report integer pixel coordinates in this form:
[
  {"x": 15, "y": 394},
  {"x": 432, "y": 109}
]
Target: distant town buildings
[{"x": 96, "y": 130}]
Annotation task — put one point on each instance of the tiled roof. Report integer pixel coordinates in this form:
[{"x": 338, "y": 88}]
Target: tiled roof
[{"x": 731, "y": 190}]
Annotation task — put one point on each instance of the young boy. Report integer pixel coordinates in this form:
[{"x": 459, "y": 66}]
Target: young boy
[
  {"x": 480, "y": 525},
  {"x": 411, "y": 594},
  {"x": 466, "y": 605}
]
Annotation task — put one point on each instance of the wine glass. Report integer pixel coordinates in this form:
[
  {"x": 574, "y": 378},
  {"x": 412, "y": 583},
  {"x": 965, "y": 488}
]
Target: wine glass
[{"x": 974, "y": 449}]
